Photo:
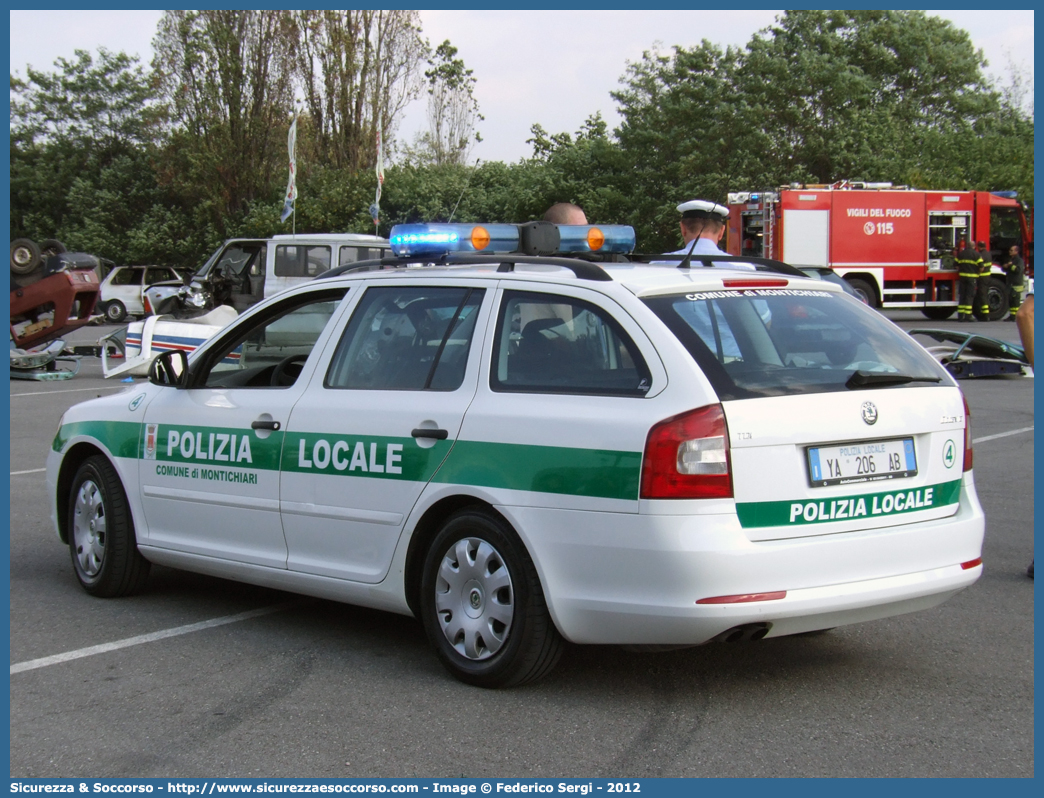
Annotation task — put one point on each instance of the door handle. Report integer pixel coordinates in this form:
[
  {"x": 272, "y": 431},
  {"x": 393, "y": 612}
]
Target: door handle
[
  {"x": 264, "y": 425},
  {"x": 437, "y": 434}
]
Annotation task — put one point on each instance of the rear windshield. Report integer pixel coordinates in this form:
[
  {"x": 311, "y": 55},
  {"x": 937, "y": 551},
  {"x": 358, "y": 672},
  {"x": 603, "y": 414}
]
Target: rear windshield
[{"x": 772, "y": 342}]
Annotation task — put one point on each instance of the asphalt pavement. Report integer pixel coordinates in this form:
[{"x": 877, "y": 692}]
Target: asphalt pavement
[{"x": 309, "y": 688}]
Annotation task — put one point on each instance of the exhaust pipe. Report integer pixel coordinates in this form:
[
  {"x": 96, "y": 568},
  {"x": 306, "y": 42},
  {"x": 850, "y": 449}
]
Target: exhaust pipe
[{"x": 744, "y": 633}]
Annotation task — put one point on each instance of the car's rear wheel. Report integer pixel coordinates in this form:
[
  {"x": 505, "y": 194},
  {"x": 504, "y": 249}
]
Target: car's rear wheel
[
  {"x": 864, "y": 291},
  {"x": 115, "y": 312},
  {"x": 102, "y": 544},
  {"x": 482, "y": 605},
  {"x": 997, "y": 299}
]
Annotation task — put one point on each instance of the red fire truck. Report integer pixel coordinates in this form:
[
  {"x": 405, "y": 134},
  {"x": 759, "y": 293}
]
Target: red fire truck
[{"x": 895, "y": 245}]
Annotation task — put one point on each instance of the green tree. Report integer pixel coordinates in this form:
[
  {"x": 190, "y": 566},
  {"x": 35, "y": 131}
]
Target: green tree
[
  {"x": 818, "y": 97},
  {"x": 81, "y": 144},
  {"x": 685, "y": 133},
  {"x": 453, "y": 112},
  {"x": 358, "y": 70},
  {"x": 855, "y": 93},
  {"x": 227, "y": 78}
]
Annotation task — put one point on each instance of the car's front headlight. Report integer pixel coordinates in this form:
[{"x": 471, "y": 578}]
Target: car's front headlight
[{"x": 196, "y": 297}]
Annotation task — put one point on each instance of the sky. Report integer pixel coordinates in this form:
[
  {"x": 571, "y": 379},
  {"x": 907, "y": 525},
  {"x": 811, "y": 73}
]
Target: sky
[{"x": 553, "y": 68}]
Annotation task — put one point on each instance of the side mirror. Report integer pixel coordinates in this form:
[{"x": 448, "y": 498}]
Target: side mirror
[{"x": 170, "y": 369}]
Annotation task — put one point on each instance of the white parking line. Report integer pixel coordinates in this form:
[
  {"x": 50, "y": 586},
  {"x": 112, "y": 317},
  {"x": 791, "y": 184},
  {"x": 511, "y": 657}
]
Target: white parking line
[
  {"x": 30, "y": 471},
  {"x": 43, "y": 662},
  {"x": 1001, "y": 435}
]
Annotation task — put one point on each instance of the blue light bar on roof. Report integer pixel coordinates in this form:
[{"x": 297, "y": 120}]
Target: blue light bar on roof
[
  {"x": 576, "y": 238},
  {"x": 435, "y": 240}
]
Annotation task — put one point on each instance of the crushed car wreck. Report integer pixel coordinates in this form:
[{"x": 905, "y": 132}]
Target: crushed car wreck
[{"x": 967, "y": 355}]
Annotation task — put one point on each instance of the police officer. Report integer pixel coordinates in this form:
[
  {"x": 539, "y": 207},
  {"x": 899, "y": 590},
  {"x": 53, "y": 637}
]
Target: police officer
[
  {"x": 982, "y": 291},
  {"x": 703, "y": 221},
  {"x": 1015, "y": 272},
  {"x": 968, "y": 267}
]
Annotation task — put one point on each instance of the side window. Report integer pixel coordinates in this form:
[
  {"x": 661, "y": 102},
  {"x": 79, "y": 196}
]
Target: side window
[
  {"x": 301, "y": 261},
  {"x": 348, "y": 255},
  {"x": 407, "y": 339},
  {"x": 157, "y": 275},
  {"x": 557, "y": 344},
  {"x": 271, "y": 350},
  {"x": 355, "y": 254},
  {"x": 128, "y": 277}
]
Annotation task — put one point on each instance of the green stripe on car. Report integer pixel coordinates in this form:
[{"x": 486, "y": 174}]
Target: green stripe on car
[
  {"x": 594, "y": 473},
  {"x": 841, "y": 508},
  {"x": 597, "y": 473}
]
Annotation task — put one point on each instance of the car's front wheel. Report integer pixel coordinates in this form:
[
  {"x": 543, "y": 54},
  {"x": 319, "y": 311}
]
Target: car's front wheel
[
  {"x": 482, "y": 605},
  {"x": 104, "y": 550}
]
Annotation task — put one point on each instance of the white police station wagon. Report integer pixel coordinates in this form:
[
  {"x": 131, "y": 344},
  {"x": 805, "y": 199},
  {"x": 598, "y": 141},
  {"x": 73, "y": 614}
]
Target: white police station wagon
[{"x": 521, "y": 449}]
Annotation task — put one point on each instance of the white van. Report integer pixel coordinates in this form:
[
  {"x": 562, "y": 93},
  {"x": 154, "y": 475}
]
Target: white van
[
  {"x": 260, "y": 268},
  {"x": 243, "y": 271}
]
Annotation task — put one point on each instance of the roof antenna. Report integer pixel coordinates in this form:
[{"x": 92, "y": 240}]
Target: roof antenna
[{"x": 688, "y": 257}]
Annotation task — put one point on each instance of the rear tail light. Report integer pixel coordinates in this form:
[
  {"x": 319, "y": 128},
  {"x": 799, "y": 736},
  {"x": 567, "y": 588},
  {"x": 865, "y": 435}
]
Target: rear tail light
[
  {"x": 967, "y": 436},
  {"x": 687, "y": 457}
]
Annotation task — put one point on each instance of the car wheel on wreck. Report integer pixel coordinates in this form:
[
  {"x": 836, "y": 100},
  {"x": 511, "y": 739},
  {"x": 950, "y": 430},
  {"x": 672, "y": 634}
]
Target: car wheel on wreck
[
  {"x": 25, "y": 256},
  {"x": 115, "y": 312}
]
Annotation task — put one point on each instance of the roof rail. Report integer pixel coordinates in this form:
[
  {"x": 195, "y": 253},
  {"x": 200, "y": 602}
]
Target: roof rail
[
  {"x": 760, "y": 264},
  {"x": 583, "y": 269}
]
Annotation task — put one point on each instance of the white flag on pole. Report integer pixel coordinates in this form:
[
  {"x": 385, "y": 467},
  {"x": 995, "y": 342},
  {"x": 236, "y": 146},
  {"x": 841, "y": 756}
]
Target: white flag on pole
[
  {"x": 375, "y": 209},
  {"x": 291, "y": 186}
]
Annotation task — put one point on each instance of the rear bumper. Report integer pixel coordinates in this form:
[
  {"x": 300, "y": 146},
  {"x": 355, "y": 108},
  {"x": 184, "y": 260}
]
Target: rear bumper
[{"x": 635, "y": 579}]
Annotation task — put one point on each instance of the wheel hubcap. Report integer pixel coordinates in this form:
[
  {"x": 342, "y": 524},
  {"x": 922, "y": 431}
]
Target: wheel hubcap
[
  {"x": 474, "y": 598},
  {"x": 88, "y": 527}
]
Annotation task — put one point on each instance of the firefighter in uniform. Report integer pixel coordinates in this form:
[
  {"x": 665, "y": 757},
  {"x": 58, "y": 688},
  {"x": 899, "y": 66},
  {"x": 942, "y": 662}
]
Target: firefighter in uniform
[
  {"x": 968, "y": 267},
  {"x": 982, "y": 290},
  {"x": 1015, "y": 271}
]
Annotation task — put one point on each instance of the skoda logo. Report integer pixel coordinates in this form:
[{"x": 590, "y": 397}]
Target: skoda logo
[{"x": 869, "y": 412}]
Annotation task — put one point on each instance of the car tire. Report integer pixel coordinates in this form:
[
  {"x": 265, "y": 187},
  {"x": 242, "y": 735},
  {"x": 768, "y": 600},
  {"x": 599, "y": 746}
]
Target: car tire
[
  {"x": 25, "y": 256},
  {"x": 482, "y": 605},
  {"x": 102, "y": 543},
  {"x": 864, "y": 291},
  {"x": 997, "y": 299},
  {"x": 938, "y": 314},
  {"x": 52, "y": 246},
  {"x": 115, "y": 312}
]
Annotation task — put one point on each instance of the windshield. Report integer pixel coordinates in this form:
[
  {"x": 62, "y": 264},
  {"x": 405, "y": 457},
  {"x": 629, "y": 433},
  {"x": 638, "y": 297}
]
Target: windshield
[
  {"x": 232, "y": 260},
  {"x": 773, "y": 342}
]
